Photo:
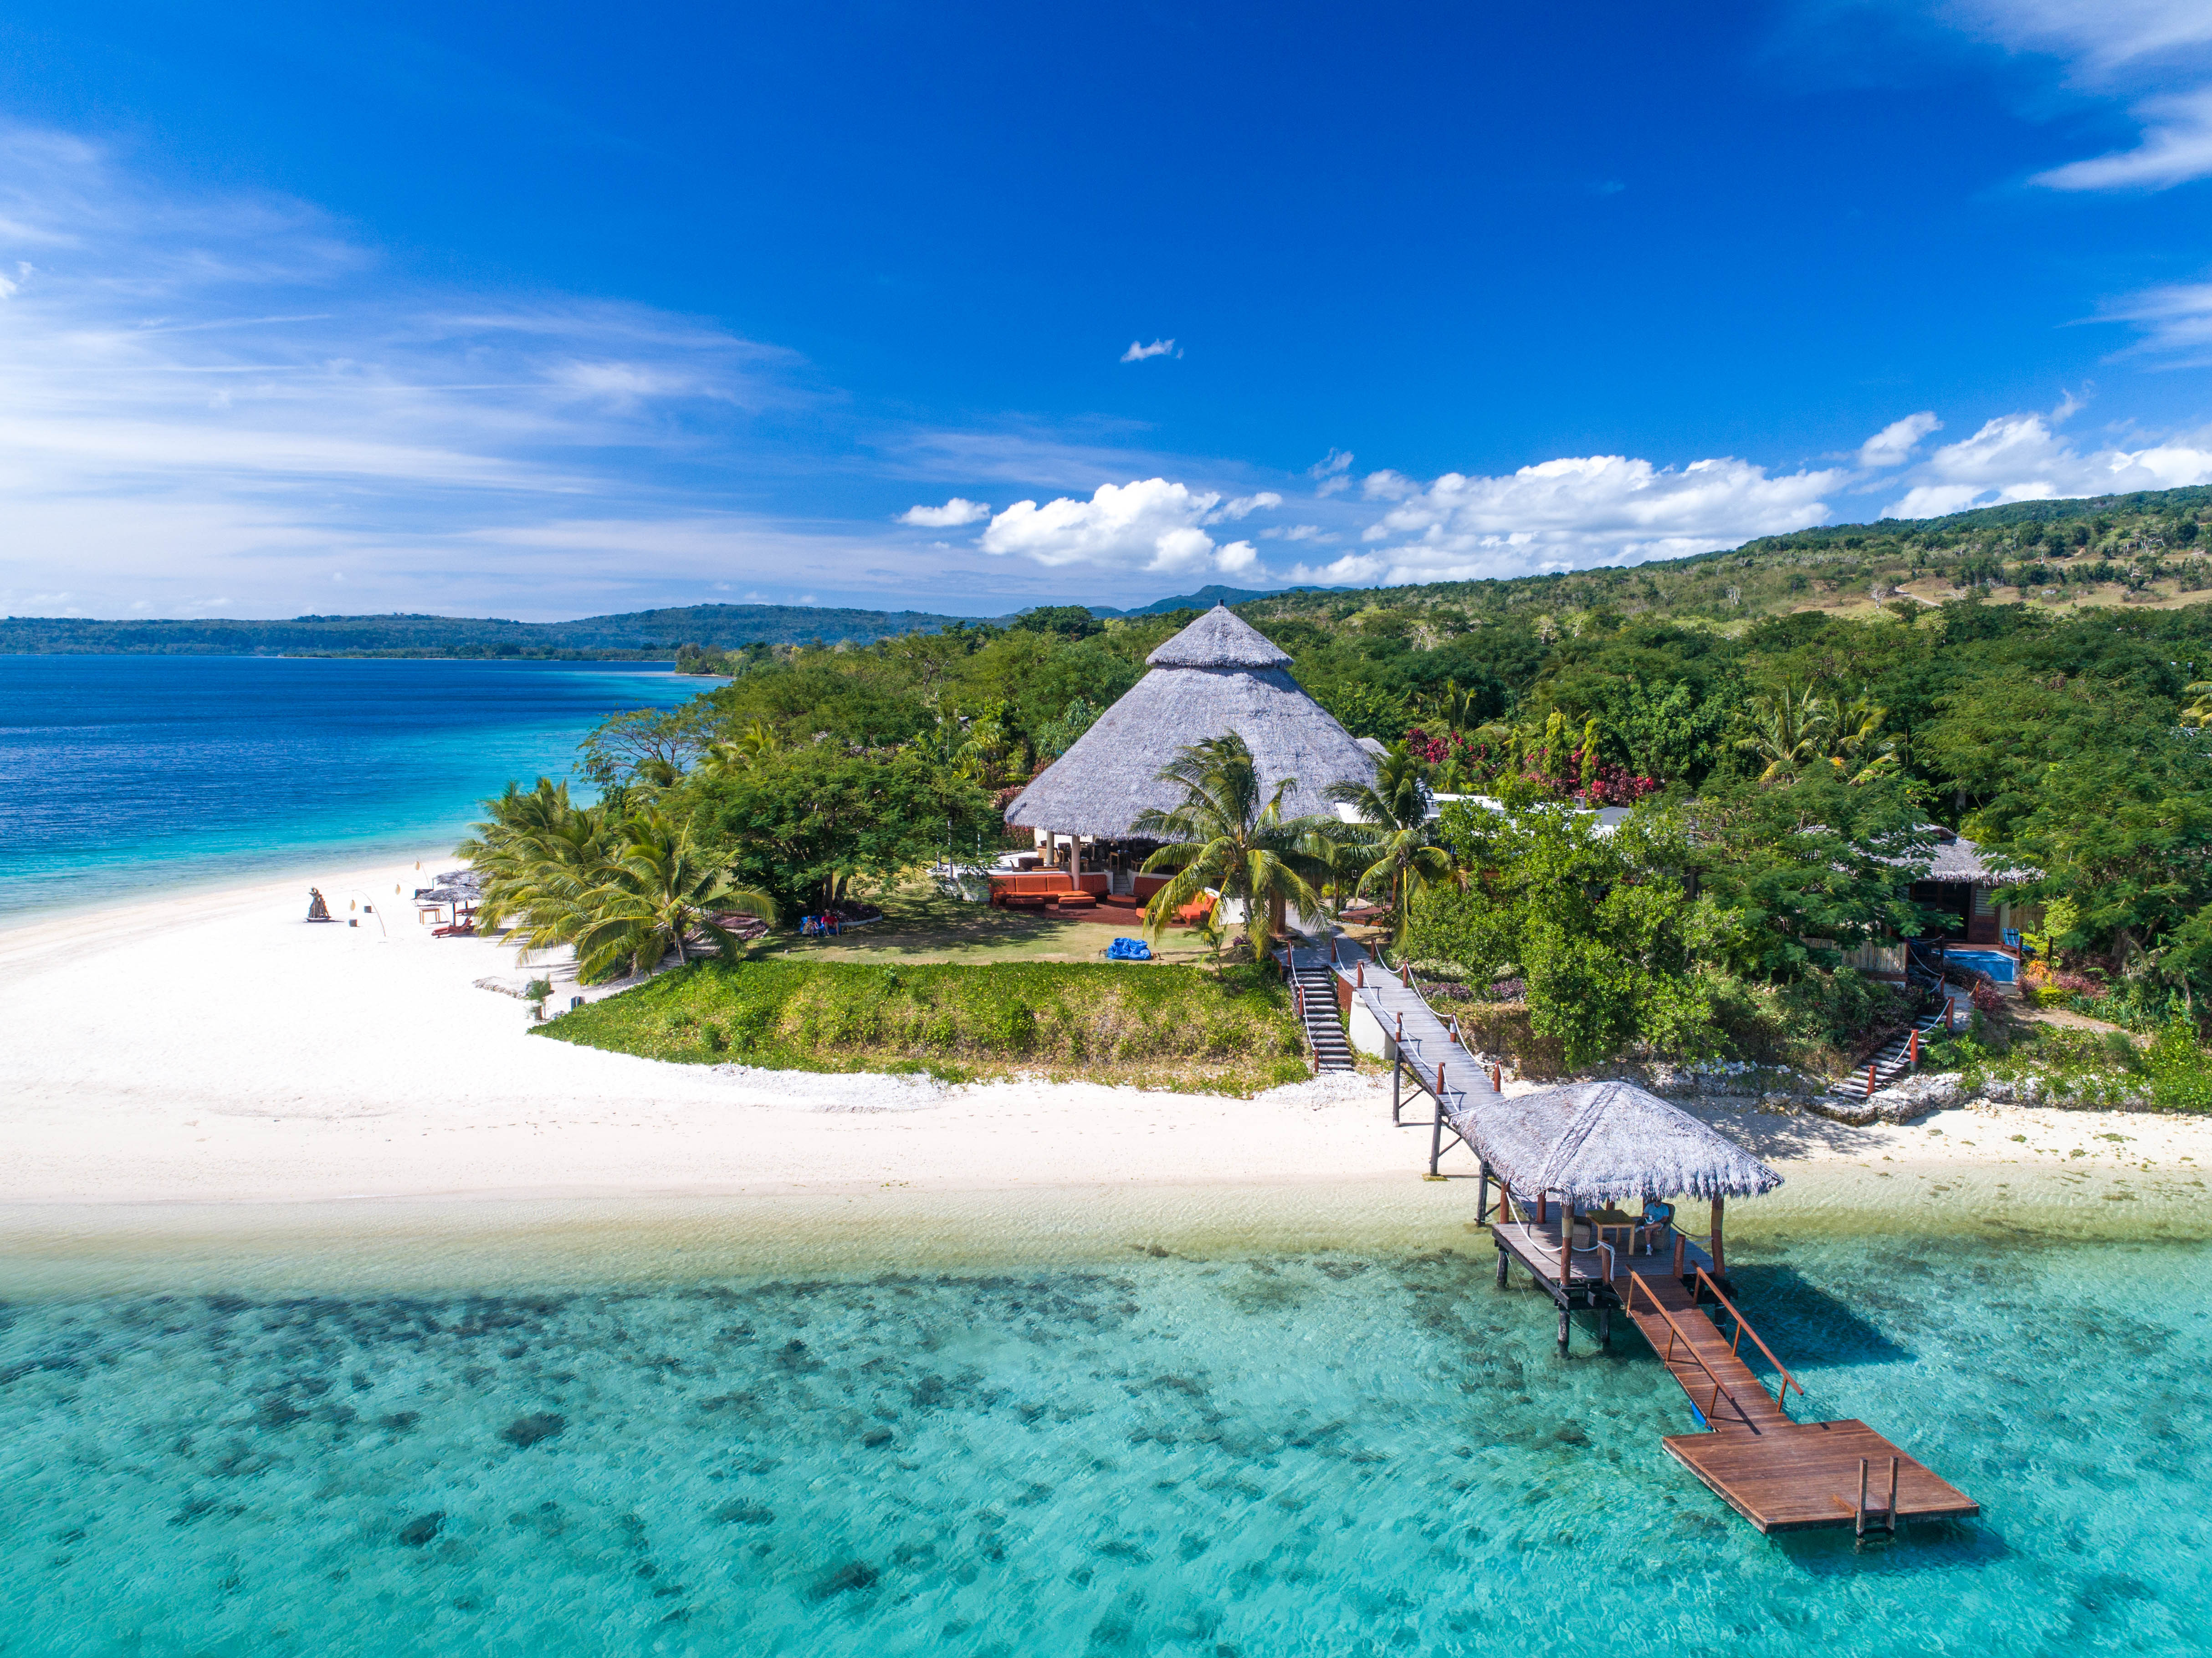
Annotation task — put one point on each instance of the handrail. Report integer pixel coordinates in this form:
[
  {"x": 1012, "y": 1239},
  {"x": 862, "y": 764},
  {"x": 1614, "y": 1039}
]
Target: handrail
[
  {"x": 1743, "y": 1327},
  {"x": 1720, "y": 1388}
]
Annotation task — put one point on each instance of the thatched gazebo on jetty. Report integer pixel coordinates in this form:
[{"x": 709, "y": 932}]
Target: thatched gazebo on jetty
[
  {"x": 1219, "y": 675},
  {"x": 1566, "y": 1158}
]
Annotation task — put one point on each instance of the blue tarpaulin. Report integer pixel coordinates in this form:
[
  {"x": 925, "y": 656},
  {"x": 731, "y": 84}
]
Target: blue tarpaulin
[{"x": 1128, "y": 950}]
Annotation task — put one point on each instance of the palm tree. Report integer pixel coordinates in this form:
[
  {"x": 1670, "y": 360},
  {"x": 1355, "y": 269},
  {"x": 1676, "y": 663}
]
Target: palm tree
[
  {"x": 1453, "y": 706},
  {"x": 536, "y": 851},
  {"x": 2199, "y": 710},
  {"x": 662, "y": 892},
  {"x": 1392, "y": 834},
  {"x": 1790, "y": 732},
  {"x": 1861, "y": 754},
  {"x": 757, "y": 743},
  {"x": 1228, "y": 834}
]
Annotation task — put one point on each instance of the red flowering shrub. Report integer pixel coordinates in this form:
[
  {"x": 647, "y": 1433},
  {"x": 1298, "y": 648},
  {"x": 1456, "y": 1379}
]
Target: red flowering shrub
[
  {"x": 1562, "y": 777},
  {"x": 2080, "y": 985}
]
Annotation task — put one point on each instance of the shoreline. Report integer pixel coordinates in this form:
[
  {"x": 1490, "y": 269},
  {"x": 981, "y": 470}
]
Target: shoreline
[{"x": 208, "y": 1065}]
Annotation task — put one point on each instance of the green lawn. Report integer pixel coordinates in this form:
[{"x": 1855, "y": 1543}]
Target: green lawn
[
  {"x": 1157, "y": 1026},
  {"x": 921, "y": 925}
]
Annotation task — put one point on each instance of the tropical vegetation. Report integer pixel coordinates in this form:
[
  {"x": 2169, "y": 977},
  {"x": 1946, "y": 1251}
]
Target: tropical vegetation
[{"x": 1783, "y": 757}]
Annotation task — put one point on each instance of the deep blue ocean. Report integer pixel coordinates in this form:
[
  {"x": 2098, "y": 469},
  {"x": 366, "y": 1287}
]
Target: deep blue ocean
[{"x": 122, "y": 775}]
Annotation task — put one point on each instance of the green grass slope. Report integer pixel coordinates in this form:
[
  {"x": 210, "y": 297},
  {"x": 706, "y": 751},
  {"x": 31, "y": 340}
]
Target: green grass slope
[{"x": 1183, "y": 1028}]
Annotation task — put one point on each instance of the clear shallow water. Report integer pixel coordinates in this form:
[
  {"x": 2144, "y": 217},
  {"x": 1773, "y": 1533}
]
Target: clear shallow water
[
  {"x": 1324, "y": 1455},
  {"x": 127, "y": 773}
]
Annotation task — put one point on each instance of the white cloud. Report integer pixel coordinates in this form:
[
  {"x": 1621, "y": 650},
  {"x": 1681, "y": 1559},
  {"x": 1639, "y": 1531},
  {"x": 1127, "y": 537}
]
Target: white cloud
[
  {"x": 2176, "y": 147},
  {"x": 2176, "y": 319},
  {"x": 955, "y": 512},
  {"x": 1149, "y": 524},
  {"x": 1137, "y": 353},
  {"x": 1570, "y": 514},
  {"x": 2022, "y": 457},
  {"x": 1245, "y": 505},
  {"x": 1332, "y": 473},
  {"x": 1896, "y": 441},
  {"x": 2102, "y": 38},
  {"x": 2157, "y": 53}
]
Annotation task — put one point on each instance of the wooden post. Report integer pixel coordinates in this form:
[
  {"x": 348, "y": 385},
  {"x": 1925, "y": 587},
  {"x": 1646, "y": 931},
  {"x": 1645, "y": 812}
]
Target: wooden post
[
  {"x": 1440, "y": 1088},
  {"x": 1720, "y": 1254},
  {"x": 1949, "y": 1008},
  {"x": 1543, "y": 1207},
  {"x": 1681, "y": 1266},
  {"x": 1482, "y": 1195},
  {"x": 1914, "y": 1048},
  {"x": 1566, "y": 1242},
  {"x": 1496, "y": 1080},
  {"x": 1858, "y": 1520},
  {"x": 1396, "y": 1083},
  {"x": 1436, "y": 1135},
  {"x": 1402, "y": 1027},
  {"x": 1869, "y": 1079},
  {"x": 1361, "y": 983}
]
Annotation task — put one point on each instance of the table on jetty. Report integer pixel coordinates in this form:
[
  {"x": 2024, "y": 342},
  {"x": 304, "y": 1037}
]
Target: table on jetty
[{"x": 1779, "y": 1474}]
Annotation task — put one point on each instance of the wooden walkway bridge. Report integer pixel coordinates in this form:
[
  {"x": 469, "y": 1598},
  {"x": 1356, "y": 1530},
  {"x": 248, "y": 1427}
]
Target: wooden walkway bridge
[{"x": 1778, "y": 1473}]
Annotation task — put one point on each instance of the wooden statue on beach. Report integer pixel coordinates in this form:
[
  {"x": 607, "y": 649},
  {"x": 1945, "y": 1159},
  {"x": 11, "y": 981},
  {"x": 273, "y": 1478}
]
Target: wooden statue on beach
[{"x": 317, "y": 909}]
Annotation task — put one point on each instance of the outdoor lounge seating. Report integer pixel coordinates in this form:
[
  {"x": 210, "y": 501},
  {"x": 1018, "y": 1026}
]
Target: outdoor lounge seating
[{"x": 1045, "y": 885}]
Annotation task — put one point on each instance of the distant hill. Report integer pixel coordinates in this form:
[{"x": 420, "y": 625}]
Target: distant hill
[
  {"x": 641, "y": 633},
  {"x": 1205, "y": 598},
  {"x": 2149, "y": 547}
]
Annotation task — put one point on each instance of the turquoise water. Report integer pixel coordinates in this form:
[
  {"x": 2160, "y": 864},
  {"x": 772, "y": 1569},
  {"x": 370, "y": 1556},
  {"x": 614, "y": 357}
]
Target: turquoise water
[
  {"x": 1308, "y": 1455},
  {"x": 128, "y": 775}
]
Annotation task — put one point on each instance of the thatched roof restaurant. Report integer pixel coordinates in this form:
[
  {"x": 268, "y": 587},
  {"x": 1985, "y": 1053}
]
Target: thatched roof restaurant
[{"x": 1219, "y": 675}]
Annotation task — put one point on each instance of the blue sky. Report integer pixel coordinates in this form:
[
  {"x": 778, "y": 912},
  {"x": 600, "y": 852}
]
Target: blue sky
[{"x": 553, "y": 310}]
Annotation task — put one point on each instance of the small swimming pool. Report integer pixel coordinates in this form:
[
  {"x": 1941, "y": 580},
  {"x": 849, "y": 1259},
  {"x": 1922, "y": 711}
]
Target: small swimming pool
[{"x": 1994, "y": 962}]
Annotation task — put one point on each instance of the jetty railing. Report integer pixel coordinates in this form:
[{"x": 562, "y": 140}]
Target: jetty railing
[
  {"x": 1720, "y": 1387},
  {"x": 1743, "y": 1328}
]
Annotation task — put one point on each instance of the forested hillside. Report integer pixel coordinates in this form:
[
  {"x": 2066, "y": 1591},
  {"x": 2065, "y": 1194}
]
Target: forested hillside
[{"x": 2137, "y": 549}]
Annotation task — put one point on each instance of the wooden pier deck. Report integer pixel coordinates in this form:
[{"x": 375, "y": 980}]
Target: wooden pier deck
[{"x": 1779, "y": 1474}]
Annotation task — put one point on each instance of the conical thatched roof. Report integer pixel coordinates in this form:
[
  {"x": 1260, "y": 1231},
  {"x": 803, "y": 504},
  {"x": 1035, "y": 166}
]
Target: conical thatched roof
[
  {"x": 1217, "y": 676},
  {"x": 1606, "y": 1143}
]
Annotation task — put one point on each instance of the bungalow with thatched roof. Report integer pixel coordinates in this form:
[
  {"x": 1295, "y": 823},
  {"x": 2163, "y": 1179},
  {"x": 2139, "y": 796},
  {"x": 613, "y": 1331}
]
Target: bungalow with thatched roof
[{"x": 1219, "y": 675}]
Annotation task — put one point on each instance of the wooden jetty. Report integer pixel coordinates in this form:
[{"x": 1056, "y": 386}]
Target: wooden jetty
[{"x": 1562, "y": 1160}]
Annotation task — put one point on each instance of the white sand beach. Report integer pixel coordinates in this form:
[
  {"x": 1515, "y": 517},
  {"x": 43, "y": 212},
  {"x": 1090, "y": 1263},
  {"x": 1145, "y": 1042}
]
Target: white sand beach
[{"x": 215, "y": 1049}]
